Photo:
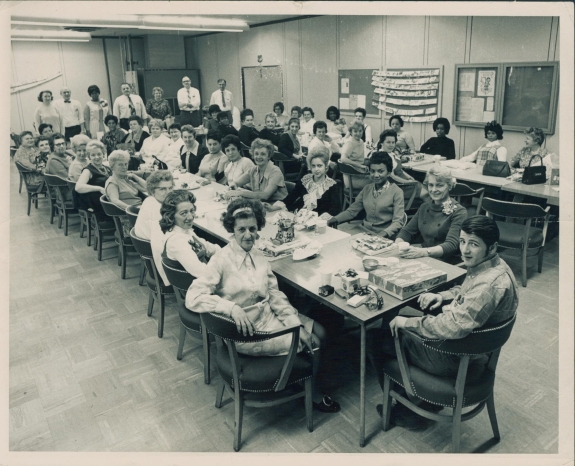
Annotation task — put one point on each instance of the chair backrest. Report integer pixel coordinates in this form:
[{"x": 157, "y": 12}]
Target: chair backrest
[
  {"x": 179, "y": 278},
  {"x": 348, "y": 173},
  {"x": 513, "y": 209},
  {"x": 245, "y": 150},
  {"x": 462, "y": 190},
  {"x": 225, "y": 328},
  {"x": 279, "y": 160},
  {"x": 111, "y": 209},
  {"x": 143, "y": 247},
  {"x": 289, "y": 186},
  {"x": 55, "y": 180},
  {"x": 59, "y": 187},
  {"x": 23, "y": 172},
  {"x": 132, "y": 212},
  {"x": 403, "y": 187}
]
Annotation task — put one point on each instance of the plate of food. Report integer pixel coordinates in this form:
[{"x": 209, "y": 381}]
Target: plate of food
[{"x": 373, "y": 245}]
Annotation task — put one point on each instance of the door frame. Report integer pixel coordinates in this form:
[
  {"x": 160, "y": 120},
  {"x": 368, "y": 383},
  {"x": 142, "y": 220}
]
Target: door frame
[{"x": 259, "y": 67}]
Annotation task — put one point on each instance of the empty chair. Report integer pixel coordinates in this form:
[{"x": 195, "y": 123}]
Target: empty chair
[{"x": 64, "y": 206}]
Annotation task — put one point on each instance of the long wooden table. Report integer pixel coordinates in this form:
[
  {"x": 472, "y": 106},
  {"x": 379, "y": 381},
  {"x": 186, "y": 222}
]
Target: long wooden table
[
  {"x": 545, "y": 191},
  {"x": 472, "y": 175}
]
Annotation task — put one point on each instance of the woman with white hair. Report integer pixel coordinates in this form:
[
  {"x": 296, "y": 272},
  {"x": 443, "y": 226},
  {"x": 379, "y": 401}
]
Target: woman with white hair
[
  {"x": 81, "y": 161},
  {"x": 438, "y": 221},
  {"x": 123, "y": 188},
  {"x": 158, "y": 145}
]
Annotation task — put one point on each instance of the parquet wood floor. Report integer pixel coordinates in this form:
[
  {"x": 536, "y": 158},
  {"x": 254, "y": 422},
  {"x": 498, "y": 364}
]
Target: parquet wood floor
[{"x": 88, "y": 372}]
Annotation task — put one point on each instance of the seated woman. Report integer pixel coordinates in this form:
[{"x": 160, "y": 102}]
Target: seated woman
[
  {"x": 137, "y": 136},
  {"x": 359, "y": 115},
  {"x": 440, "y": 145},
  {"x": 306, "y": 125},
  {"x": 158, "y": 185},
  {"x": 315, "y": 191},
  {"x": 81, "y": 161},
  {"x": 90, "y": 185},
  {"x": 211, "y": 119},
  {"x": 27, "y": 156},
  {"x": 45, "y": 129},
  {"x": 281, "y": 119},
  {"x": 192, "y": 153},
  {"x": 266, "y": 180},
  {"x": 247, "y": 132},
  {"x": 224, "y": 126},
  {"x": 404, "y": 140},
  {"x": 213, "y": 164},
  {"x": 353, "y": 153},
  {"x": 123, "y": 188},
  {"x": 44, "y": 146},
  {"x": 157, "y": 145},
  {"x": 534, "y": 137},
  {"x": 176, "y": 240},
  {"x": 237, "y": 165},
  {"x": 176, "y": 144},
  {"x": 115, "y": 134},
  {"x": 295, "y": 112},
  {"x": 437, "y": 222},
  {"x": 492, "y": 150},
  {"x": 289, "y": 145},
  {"x": 335, "y": 124},
  {"x": 239, "y": 283},
  {"x": 321, "y": 139},
  {"x": 270, "y": 132},
  {"x": 381, "y": 201}
]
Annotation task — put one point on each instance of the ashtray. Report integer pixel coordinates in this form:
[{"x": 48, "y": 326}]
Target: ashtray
[{"x": 370, "y": 264}]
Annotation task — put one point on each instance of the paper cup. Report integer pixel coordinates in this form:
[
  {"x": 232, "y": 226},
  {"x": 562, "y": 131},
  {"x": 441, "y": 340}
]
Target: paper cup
[
  {"x": 321, "y": 227},
  {"x": 325, "y": 277},
  {"x": 403, "y": 246}
]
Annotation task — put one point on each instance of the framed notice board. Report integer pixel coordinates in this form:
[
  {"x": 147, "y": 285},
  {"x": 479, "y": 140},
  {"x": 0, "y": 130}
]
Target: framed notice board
[
  {"x": 517, "y": 95},
  {"x": 355, "y": 90}
]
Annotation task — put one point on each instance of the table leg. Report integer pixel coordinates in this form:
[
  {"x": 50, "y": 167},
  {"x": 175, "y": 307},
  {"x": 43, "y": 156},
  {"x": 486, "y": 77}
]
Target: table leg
[{"x": 362, "y": 389}]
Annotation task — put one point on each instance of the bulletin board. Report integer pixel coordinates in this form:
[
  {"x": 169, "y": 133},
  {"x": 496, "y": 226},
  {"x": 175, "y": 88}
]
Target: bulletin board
[
  {"x": 355, "y": 90},
  {"x": 413, "y": 93}
]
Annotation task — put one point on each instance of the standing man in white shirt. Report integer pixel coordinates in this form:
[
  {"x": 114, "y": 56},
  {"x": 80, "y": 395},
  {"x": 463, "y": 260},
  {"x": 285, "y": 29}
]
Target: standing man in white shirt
[
  {"x": 129, "y": 104},
  {"x": 71, "y": 113},
  {"x": 189, "y": 102},
  {"x": 224, "y": 99}
]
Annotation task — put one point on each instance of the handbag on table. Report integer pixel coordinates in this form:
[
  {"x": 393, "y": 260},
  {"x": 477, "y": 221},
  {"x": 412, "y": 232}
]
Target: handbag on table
[
  {"x": 496, "y": 168},
  {"x": 535, "y": 175}
]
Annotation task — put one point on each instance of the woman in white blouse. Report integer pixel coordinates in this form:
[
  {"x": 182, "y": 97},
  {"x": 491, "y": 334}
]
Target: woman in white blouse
[
  {"x": 240, "y": 284},
  {"x": 158, "y": 145},
  {"x": 237, "y": 165},
  {"x": 158, "y": 185},
  {"x": 492, "y": 150},
  {"x": 307, "y": 121},
  {"x": 176, "y": 239},
  {"x": 405, "y": 141}
]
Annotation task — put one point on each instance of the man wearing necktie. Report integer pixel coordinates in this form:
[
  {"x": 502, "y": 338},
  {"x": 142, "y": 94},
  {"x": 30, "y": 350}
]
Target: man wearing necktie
[
  {"x": 129, "y": 104},
  {"x": 71, "y": 113},
  {"x": 224, "y": 99},
  {"x": 189, "y": 102}
]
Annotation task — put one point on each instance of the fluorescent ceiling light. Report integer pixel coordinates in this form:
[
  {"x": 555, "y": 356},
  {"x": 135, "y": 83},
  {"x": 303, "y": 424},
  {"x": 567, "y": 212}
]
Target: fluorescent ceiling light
[
  {"x": 14, "y": 39},
  {"x": 174, "y": 28},
  {"x": 50, "y": 35}
]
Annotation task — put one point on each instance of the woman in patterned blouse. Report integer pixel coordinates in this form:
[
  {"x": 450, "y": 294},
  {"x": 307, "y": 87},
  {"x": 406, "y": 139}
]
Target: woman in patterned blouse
[
  {"x": 534, "y": 137},
  {"x": 158, "y": 107},
  {"x": 114, "y": 136}
]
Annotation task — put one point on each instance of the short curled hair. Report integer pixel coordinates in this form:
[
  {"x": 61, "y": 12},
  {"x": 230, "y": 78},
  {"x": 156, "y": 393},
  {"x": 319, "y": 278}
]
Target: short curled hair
[
  {"x": 56, "y": 136},
  {"x": 25, "y": 133},
  {"x": 308, "y": 109},
  {"x": 93, "y": 144},
  {"x": 157, "y": 88},
  {"x": 44, "y": 92},
  {"x": 483, "y": 227},
  {"x": 537, "y": 134},
  {"x": 254, "y": 209},
  {"x": 357, "y": 126},
  {"x": 156, "y": 122},
  {"x": 297, "y": 108},
  {"x": 43, "y": 126},
  {"x": 215, "y": 108},
  {"x": 246, "y": 113},
  {"x": 215, "y": 135},
  {"x": 109, "y": 118},
  {"x": 398, "y": 118},
  {"x": 442, "y": 174},
  {"x": 280, "y": 105},
  {"x": 294, "y": 120},
  {"x": 189, "y": 129},
  {"x": 318, "y": 152},
  {"x": 318, "y": 125},
  {"x": 271, "y": 115},
  {"x": 262, "y": 143},
  {"x": 381, "y": 157},
  {"x": 136, "y": 118},
  {"x": 231, "y": 140},
  {"x": 444, "y": 122},
  {"x": 360, "y": 110},
  {"x": 495, "y": 127},
  {"x": 388, "y": 133},
  {"x": 118, "y": 156},
  {"x": 79, "y": 140},
  {"x": 170, "y": 206},
  {"x": 39, "y": 139},
  {"x": 93, "y": 88},
  {"x": 156, "y": 178},
  {"x": 175, "y": 126},
  {"x": 331, "y": 109},
  {"x": 221, "y": 115}
]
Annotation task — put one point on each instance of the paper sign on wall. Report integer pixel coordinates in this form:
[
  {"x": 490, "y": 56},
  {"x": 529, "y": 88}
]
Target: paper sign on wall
[
  {"x": 466, "y": 81},
  {"x": 476, "y": 109},
  {"x": 488, "y": 116},
  {"x": 360, "y": 101},
  {"x": 343, "y": 103},
  {"x": 486, "y": 83},
  {"x": 344, "y": 86},
  {"x": 489, "y": 104},
  {"x": 352, "y": 102}
]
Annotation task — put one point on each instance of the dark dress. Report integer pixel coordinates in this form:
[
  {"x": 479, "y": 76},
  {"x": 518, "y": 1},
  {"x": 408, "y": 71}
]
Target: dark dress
[
  {"x": 271, "y": 136},
  {"x": 248, "y": 135},
  {"x": 92, "y": 200},
  {"x": 137, "y": 145},
  {"x": 439, "y": 146},
  {"x": 329, "y": 202},
  {"x": 227, "y": 129},
  {"x": 195, "y": 160},
  {"x": 286, "y": 147}
]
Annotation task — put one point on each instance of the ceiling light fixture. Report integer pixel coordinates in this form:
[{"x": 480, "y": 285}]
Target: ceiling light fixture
[{"x": 52, "y": 36}]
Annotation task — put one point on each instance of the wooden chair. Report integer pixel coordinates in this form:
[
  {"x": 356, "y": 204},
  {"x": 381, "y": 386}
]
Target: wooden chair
[
  {"x": 461, "y": 190},
  {"x": 349, "y": 192},
  {"x": 132, "y": 214},
  {"x": 154, "y": 281},
  {"x": 409, "y": 208},
  {"x": 181, "y": 280},
  {"x": 520, "y": 235},
  {"x": 123, "y": 241},
  {"x": 52, "y": 196},
  {"x": 85, "y": 216},
  {"x": 32, "y": 191},
  {"x": 468, "y": 388},
  {"x": 103, "y": 231},
  {"x": 258, "y": 381},
  {"x": 246, "y": 151},
  {"x": 65, "y": 208},
  {"x": 279, "y": 160}
]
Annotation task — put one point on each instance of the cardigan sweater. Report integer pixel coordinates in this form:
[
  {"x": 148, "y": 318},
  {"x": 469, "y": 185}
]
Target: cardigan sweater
[
  {"x": 435, "y": 227},
  {"x": 271, "y": 136},
  {"x": 439, "y": 146}
]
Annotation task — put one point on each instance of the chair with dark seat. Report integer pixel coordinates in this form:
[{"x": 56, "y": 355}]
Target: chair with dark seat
[
  {"x": 349, "y": 192},
  {"x": 33, "y": 192},
  {"x": 65, "y": 207},
  {"x": 279, "y": 159},
  {"x": 462, "y": 191},
  {"x": 181, "y": 280},
  {"x": 258, "y": 381},
  {"x": 85, "y": 216},
  {"x": 523, "y": 235},
  {"x": 246, "y": 151},
  {"x": 473, "y": 387},
  {"x": 132, "y": 214},
  {"x": 153, "y": 279},
  {"x": 123, "y": 241}
]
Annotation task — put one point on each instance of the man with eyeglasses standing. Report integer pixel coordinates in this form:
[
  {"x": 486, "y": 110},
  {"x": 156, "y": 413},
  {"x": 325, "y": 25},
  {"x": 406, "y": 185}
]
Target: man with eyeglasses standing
[
  {"x": 189, "y": 102},
  {"x": 224, "y": 99},
  {"x": 129, "y": 104}
]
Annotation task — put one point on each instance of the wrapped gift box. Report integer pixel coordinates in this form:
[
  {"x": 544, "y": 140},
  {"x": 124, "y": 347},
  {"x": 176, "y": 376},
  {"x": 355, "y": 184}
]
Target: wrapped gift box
[
  {"x": 348, "y": 283},
  {"x": 407, "y": 279}
]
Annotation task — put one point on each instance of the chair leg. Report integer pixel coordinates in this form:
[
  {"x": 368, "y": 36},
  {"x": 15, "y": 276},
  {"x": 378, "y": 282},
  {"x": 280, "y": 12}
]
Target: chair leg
[
  {"x": 220, "y": 394},
  {"x": 239, "y": 415},
  {"x": 524, "y": 267},
  {"x": 65, "y": 223},
  {"x": 492, "y": 416},
  {"x": 456, "y": 432},
  {"x": 308, "y": 404},
  {"x": 119, "y": 255},
  {"x": 100, "y": 243},
  {"x": 540, "y": 258},
  {"x": 60, "y": 218},
  {"x": 124, "y": 261},
  {"x": 20, "y": 188},
  {"x": 29, "y": 203},
  {"x": 386, "y": 404},
  {"x": 181, "y": 342},
  {"x": 206, "y": 345},
  {"x": 161, "y": 321},
  {"x": 89, "y": 232},
  {"x": 51, "y": 212},
  {"x": 142, "y": 272},
  {"x": 151, "y": 300}
]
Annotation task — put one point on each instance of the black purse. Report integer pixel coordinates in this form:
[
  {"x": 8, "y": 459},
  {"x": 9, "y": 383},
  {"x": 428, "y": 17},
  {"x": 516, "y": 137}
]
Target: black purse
[
  {"x": 535, "y": 175},
  {"x": 496, "y": 168}
]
